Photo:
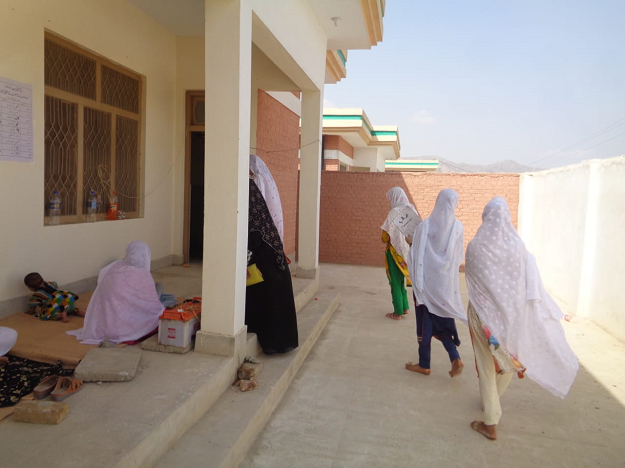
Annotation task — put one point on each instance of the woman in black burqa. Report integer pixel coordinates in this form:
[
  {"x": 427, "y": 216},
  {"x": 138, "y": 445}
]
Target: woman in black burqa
[{"x": 269, "y": 305}]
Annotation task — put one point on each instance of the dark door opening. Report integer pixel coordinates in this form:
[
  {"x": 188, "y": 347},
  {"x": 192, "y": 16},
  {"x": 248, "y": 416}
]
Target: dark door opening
[{"x": 196, "y": 211}]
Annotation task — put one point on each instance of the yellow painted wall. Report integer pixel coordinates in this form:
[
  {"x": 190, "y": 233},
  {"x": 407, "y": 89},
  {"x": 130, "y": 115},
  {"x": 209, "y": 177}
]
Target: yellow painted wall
[{"x": 125, "y": 35}]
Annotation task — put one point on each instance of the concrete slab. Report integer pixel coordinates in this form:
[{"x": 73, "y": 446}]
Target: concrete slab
[
  {"x": 354, "y": 405},
  {"x": 133, "y": 423},
  {"x": 109, "y": 365},
  {"x": 152, "y": 344},
  {"x": 222, "y": 437}
]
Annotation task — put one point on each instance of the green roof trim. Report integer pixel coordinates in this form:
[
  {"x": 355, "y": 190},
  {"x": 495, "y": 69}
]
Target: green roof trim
[
  {"x": 359, "y": 117},
  {"x": 348, "y": 117},
  {"x": 343, "y": 59},
  {"x": 410, "y": 163}
]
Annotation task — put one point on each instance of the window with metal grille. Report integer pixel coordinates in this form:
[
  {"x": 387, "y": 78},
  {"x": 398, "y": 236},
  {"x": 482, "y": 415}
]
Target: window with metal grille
[{"x": 93, "y": 117}]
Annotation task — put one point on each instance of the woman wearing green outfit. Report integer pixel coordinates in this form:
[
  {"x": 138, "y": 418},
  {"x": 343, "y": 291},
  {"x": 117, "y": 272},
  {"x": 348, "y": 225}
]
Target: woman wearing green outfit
[{"x": 396, "y": 254}]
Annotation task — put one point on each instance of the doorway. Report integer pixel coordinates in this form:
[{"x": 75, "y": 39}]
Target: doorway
[
  {"x": 193, "y": 228},
  {"x": 196, "y": 203}
]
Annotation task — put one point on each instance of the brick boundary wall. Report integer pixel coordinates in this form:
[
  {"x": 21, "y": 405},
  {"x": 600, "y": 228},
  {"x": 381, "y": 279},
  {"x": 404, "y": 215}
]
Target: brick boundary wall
[
  {"x": 354, "y": 206},
  {"x": 278, "y": 129}
]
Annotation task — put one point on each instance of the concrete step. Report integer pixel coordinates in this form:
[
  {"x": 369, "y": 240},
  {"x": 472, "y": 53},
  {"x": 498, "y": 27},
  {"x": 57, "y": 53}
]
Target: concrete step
[{"x": 222, "y": 437}]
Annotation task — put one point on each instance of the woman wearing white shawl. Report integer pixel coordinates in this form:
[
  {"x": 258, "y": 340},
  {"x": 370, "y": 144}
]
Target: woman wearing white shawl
[
  {"x": 435, "y": 258},
  {"x": 264, "y": 181},
  {"x": 125, "y": 305},
  {"x": 397, "y": 250},
  {"x": 514, "y": 323},
  {"x": 8, "y": 338}
]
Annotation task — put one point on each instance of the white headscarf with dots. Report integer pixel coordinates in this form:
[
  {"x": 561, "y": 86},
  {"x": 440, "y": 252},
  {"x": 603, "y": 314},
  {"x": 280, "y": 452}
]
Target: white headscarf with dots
[{"x": 508, "y": 296}]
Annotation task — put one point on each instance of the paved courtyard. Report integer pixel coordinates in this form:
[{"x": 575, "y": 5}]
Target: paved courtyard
[{"x": 352, "y": 404}]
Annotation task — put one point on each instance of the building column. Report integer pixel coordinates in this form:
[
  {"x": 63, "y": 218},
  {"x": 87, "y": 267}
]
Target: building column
[
  {"x": 310, "y": 184},
  {"x": 228, "y": 65}
]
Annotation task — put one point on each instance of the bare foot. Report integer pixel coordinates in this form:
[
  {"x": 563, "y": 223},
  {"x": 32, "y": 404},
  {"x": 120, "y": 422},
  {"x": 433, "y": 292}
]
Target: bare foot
[
  {"x": 64, "y": 318},
  {"x": 406, "y": 311},
  {"x": 3, "y": 360},
  {"x": 393, "y": 316},
  {"x": 417, "y": 368},
  {"x": 456, "y": 368},
  {"x": 490, "y": 432},
  {"x": 79, "y": 312}
]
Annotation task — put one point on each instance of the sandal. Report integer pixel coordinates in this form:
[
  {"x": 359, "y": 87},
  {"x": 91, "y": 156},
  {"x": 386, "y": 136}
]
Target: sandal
[
  {"x": 65, "y": 387},
  {"x": 45, "y": 387},
  {"x": 392, "y": 315}
]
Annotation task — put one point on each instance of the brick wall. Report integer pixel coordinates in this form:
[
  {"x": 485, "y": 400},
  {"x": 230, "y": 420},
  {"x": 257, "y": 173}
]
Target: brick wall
[
  {"x": 278, "y": 129},
  {"x": 336, "y": 142},
  {"x": 331, "y": 164},
  {"x": 354, "y": 206}
]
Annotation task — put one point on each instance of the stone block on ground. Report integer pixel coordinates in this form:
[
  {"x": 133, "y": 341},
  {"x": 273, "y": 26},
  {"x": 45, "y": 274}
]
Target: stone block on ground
[
  {"x": 109, "y": 365},
  {"x": 250, "y": 370},
  {"x": 40, "y": 412}
]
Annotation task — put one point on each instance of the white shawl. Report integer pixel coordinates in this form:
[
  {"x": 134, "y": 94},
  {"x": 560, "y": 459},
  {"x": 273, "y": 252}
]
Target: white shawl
[
  {"x": 8, "y": 338},
  {"x": 125, "y": 305},
  {"x": 435, "y": 257},
  {"x": 264, "y": 181},
  {"x": 507, "y": 293},
  {"x": 398, "y": 199}
]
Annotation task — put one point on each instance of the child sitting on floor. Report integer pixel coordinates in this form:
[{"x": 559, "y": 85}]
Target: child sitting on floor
[{"x": 53, "y": 303}]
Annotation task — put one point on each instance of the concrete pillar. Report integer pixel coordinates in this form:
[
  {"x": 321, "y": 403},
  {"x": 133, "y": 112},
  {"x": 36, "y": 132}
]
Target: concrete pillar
[
  {"x": 228, "y": 83},
  {"x": 310, "y": 184}
]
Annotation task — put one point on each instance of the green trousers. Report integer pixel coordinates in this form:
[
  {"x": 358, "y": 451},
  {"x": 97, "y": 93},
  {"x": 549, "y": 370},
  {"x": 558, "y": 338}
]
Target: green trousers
[{"x": 398, "y": 290}]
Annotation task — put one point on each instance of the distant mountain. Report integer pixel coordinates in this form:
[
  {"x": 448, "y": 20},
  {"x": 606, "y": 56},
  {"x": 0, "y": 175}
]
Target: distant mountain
[{"x": 502, "y": 166}]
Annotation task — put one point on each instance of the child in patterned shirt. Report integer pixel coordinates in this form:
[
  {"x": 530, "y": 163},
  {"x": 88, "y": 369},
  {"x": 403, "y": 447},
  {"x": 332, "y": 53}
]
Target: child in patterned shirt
[{"x": 53, "y": 303}]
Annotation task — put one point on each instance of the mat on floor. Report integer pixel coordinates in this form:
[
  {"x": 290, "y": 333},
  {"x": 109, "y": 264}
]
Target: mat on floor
[{"x": 46, "y": 341}]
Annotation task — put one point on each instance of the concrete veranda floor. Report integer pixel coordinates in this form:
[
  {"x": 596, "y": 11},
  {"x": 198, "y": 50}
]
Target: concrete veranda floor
[{"x": 353, "y": 404}]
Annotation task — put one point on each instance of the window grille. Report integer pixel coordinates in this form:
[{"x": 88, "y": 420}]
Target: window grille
[
  {"x": 126, "y": 169},
  {"x": 92, "y": 130},
  {"x": 97, "y": 154},
  {"x": 61, "y": 157}
]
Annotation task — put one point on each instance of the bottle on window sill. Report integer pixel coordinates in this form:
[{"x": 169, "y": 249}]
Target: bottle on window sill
[
  {"x": 55, "y": 209},
  {"x": 112, "y": 213},
  {"x": 92, "y": 207}
]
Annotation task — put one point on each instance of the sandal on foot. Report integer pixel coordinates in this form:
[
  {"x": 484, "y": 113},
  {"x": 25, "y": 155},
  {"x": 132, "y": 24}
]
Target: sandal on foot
[
  {"x": 45, "y": 387},
  {"x": 65, "y": 387},
  {"x": 392, "y": 316},
  {"x": 475, "y": 425}
]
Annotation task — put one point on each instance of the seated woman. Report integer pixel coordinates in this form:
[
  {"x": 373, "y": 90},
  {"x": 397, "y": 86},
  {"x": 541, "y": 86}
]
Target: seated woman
[
  {"x": 8, "y": 338},
  {"x": 125, "y": 305},
  {"x": 269, "y": 305}
]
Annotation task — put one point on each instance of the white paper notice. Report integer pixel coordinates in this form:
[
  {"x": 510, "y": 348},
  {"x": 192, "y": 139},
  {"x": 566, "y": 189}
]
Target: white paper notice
[
  {"x": 407, "y": 221},
  {"x": 16, "y": 121}
]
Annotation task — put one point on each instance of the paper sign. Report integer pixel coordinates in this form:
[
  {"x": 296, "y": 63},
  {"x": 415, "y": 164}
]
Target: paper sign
[
  {"x": 407, "y": 221},
  {"x": 16, "y": 121}
]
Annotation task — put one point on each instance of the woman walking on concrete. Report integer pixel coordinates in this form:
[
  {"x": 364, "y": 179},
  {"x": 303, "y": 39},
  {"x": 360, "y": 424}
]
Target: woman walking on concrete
[
  {"x": 514, "y": 323},
  {"x": 396, "y": 254},
  {"x": 435, "y": 257}
]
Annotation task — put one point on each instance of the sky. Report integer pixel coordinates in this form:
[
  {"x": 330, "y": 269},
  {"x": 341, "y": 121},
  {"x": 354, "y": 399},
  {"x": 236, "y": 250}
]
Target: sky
[{"x": 540, "y": 82}]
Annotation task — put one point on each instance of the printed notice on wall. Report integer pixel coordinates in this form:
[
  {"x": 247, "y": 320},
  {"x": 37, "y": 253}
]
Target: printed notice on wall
[{"x": 16, "y": 121}]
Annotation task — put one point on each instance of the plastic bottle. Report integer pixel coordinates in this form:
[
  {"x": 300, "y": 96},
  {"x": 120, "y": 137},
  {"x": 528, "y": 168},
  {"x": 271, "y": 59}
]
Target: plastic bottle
[
  {"x": 55, "y": 209},
  {"x": 92, "y": 207},
  {"x": 112, "y": 213}
]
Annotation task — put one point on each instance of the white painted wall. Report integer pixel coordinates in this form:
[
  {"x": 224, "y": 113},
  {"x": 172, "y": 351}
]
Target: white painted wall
[
  {"x": 123, "y": 34},
  {"x": 573, "y": 220},
  {"x": 369, "y": 157},
  {"x": 296, "y": 41}
]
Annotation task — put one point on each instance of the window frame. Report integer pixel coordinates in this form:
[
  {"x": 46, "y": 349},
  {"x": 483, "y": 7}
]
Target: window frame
[{"x": 115, "y": 112}]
